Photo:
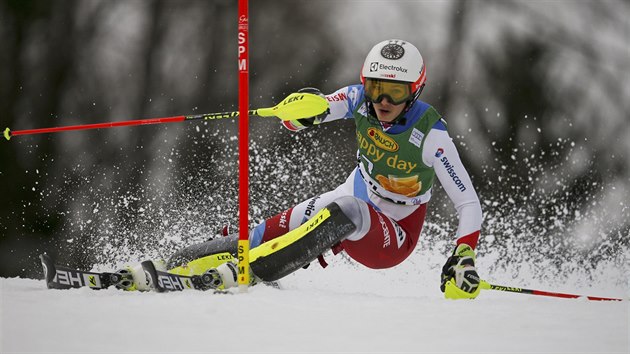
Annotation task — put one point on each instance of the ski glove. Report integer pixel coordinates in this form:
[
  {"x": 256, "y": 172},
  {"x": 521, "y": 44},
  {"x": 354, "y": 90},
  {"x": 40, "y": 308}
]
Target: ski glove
[
  {"x": 310, "y": 121},
  {"x": 459, "y": 278}
]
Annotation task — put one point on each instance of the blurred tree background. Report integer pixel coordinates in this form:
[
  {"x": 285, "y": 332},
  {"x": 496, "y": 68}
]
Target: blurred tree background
[{"x": 535, "y": 93}]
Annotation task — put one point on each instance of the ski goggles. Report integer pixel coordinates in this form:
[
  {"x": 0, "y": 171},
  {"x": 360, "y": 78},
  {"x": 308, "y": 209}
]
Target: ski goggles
[{"x": 396, "y": 92}]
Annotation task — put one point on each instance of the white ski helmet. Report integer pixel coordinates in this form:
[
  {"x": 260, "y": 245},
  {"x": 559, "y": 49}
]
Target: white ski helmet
[{"x": 395, "y": 60}]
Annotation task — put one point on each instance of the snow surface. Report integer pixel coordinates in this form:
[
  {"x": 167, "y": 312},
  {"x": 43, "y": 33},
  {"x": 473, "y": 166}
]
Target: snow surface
[{"x": 343, "y": 308}]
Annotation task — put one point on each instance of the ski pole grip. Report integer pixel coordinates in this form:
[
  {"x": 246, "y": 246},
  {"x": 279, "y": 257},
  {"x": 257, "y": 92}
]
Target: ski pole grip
[{"x": 7, "y": 134}]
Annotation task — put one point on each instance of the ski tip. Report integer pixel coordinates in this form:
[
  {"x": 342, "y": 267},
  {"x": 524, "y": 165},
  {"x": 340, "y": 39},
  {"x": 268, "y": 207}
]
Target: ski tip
[
  {"x": 49, "y": 269},
  {"x": 7, "y": 134}
]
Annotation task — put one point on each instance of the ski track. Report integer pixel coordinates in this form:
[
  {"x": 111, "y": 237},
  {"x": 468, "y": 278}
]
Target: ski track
[{"x": 342, "y": 309}]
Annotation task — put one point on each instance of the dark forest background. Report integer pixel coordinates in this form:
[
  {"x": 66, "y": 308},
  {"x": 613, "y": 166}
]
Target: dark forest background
[{"x": 535, "y": 92}]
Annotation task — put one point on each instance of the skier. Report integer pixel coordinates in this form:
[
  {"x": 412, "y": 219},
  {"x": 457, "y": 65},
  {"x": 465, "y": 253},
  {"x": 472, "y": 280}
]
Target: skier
[{"x": 376, "y": 215}]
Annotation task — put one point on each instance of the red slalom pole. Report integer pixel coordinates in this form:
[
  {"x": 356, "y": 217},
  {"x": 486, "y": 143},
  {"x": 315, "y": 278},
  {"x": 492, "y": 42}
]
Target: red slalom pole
[
  {"x": 243, "y": 143},
  {"x": 510, "y": 289}
]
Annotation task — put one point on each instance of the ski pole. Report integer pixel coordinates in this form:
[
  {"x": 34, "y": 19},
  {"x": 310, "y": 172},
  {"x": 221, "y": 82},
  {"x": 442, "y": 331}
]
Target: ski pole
[
  {"x": 295, "y": 106},
  {"x": 488, "y": 286}
]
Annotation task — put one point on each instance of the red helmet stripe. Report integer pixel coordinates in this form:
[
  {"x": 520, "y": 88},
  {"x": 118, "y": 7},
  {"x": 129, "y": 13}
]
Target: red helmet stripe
[{"x": 421, "y": 79}]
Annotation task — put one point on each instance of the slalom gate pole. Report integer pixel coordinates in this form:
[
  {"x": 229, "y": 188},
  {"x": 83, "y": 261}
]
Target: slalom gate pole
[
  {"x": 510, "y": 289},
  {"x": 243, "y": 143}
]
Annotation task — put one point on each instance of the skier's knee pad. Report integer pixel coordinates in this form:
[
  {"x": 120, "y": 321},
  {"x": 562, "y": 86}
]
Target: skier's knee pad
[{"x": 285, "y": 254}]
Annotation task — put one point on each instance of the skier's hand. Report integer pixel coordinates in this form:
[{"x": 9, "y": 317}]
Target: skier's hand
[
  {"x": 310, "y": 121},
  {"x": 459, "y": 276}
]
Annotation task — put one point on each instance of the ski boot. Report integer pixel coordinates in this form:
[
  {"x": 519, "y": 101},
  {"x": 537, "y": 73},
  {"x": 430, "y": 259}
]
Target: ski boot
[
  {"x": 225, "y": 277},
  {"x": 123, "y": 279},
  {"x": 220, "y": 278},
  {"x": 132, "y": 277}
]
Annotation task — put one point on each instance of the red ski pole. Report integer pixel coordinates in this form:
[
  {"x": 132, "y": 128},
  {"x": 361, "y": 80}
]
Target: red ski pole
[
  {"x": 8, "y": 133},
  {"x": 488, "y": 286},
  {"x": 295, "y": 106}
]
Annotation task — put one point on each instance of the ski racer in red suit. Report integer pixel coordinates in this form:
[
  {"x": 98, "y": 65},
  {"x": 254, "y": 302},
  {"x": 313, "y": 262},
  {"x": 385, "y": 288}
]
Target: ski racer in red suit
[{"x": 403, "y": 144}]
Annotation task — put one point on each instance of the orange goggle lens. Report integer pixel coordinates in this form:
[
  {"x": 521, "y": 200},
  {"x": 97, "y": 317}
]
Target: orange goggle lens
[{"x": 396, "y": 92}]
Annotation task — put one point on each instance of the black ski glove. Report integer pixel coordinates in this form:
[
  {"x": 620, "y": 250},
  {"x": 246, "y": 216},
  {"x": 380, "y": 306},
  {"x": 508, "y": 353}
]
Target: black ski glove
[{"x": 460, "y": 268}]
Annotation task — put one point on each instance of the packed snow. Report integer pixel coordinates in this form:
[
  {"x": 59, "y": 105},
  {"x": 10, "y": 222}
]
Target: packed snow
[{"x": 343, "y": 308}]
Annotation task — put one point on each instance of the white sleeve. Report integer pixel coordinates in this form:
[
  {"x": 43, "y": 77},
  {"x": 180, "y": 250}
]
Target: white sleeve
[
  {"x": 440, "y": 152},
  {"x": 343, "y": 102}
]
